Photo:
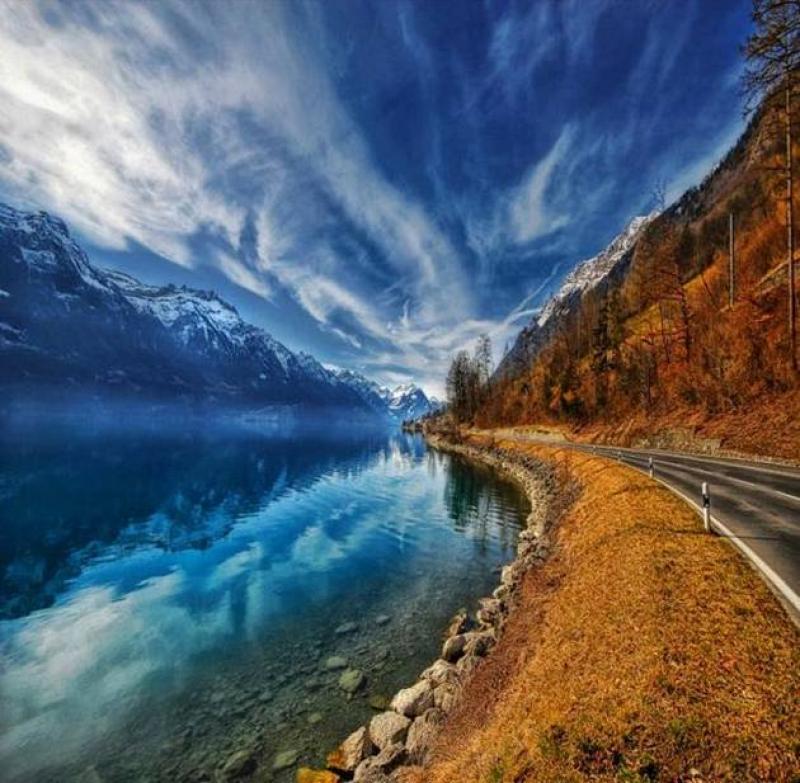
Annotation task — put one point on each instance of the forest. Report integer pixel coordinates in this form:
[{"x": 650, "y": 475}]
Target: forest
[{"x": 699, "y": 332}]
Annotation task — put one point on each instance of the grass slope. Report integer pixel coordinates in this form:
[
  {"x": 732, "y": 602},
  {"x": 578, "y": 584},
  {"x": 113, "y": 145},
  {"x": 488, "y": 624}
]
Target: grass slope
[{"x": 643, "y": 650}]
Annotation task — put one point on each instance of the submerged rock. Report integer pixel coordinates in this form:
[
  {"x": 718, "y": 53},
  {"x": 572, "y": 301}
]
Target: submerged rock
[
  {"x": 335, "y": 662},
  {"x": 238, "y": 765},
  {"x": 351, "y": 681},
  {"x": 345, "y": 628},
  {"x": 382, "y": 619},
  {"x": 379, "y": 702},
  {"x": 285, "y": 759}
]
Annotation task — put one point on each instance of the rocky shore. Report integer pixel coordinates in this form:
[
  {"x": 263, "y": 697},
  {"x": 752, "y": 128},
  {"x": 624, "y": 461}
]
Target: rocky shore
[{"x": 401, "y": 737}]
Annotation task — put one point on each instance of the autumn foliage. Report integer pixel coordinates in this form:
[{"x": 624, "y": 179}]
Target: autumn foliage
[{"x": 663, "y": 344}]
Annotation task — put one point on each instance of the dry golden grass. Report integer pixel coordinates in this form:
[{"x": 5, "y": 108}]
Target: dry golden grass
[{"x": 643, "y": 650}]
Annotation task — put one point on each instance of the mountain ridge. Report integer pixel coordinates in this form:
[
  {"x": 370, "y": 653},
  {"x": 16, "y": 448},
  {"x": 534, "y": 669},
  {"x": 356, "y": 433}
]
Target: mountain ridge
[{"x": 66, "y": 321}]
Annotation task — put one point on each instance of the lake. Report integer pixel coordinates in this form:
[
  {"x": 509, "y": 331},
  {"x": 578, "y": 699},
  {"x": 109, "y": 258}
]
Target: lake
[{"x": 172, "y": 598}]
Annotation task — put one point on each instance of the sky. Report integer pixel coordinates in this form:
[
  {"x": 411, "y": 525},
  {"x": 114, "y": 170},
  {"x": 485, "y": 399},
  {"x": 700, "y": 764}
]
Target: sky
[{"x": 375, "y": 183}]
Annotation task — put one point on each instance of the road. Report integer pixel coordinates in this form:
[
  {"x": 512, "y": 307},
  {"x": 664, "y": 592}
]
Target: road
[{"x": 756, "y": 505}]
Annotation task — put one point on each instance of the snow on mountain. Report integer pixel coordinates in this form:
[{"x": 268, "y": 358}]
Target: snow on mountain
[
  {"x": 587, "y": 275},
  {"x": 65, "y": 321},
  {"x": 401, "y": 403}
]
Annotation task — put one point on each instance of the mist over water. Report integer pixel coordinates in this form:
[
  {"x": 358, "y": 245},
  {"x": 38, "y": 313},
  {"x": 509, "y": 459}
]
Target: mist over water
[{"x": 169, "y": 595}]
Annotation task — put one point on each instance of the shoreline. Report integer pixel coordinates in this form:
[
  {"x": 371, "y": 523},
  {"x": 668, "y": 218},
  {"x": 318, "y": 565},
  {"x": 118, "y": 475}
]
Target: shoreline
[{"x": 398, "y": 741}]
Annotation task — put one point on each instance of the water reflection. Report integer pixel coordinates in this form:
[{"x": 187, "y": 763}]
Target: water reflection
[{"x": 169, "y": 599}]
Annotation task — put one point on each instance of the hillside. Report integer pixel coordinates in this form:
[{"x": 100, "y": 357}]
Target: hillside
[
  {"x": 649, "y": 343},
  {"x": 67, "y": 324}
]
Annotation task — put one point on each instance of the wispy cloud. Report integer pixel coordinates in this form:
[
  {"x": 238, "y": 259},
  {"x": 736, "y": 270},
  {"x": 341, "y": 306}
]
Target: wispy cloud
[{"x": 409, "y": 175}]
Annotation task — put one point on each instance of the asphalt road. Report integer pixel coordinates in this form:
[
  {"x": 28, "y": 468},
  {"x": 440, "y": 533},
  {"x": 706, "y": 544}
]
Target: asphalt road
[{"x": 756, "y": 505}]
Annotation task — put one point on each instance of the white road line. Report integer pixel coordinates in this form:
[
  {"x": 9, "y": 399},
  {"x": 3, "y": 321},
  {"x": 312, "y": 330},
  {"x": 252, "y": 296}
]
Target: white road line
[
  {"x": 722, "y": 479},
  {"x": 727, "y": 462}
]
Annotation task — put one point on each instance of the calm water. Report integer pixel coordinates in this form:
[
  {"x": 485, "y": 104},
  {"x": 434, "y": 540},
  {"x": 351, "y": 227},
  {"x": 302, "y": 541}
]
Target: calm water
[{"x": 170, "y": 600}]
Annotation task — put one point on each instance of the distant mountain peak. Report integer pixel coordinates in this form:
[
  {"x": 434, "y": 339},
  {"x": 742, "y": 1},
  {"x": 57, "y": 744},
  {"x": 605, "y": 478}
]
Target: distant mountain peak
[{"x": 585, "y": 276}]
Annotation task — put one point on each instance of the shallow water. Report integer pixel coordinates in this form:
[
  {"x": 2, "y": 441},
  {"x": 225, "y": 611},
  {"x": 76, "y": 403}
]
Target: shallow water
[{"x": 170, "y": 600}]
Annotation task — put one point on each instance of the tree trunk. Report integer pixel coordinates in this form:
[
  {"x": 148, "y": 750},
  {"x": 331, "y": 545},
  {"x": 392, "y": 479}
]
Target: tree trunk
[{"x": 790, "y": 227}]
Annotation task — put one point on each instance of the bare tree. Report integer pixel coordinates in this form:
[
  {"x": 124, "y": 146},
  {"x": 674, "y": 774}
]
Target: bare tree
[{"x": 773, "y": 54}]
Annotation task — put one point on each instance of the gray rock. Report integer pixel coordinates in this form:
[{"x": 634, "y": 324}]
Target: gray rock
[
  {"x": 357, "y": 747},
  {"x": 367, "y": 772},
  {"x": 382, "y": 619},
  {"x": 375, "y": 768},
  {"x": 335, "y": 662},
  {"x": 490, "y": 611},
  {"x": 421, "y": 734},
  {"x": 352, "y": 680},
  {"x": 346, "y": 628},
  {"x": 388, "y": 728},
  {"x": 445, "y": 696},
  {"x": 453, "y": 648},
  {"x": 458, "y": 624},
  {"x": 285, "y": 759},
  {"x": 415, "y": 700},
  {"x": 440, "y": 671},
  {"x": 480, "y": 643}
]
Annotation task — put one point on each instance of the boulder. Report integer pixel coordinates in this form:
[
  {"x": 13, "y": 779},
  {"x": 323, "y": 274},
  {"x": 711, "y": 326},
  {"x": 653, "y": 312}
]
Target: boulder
[
  {"x": 375, "y": 769},
  {"x": 453, "y": 648},
  {"x": 382, "y": 619},
  {"x": 480, "y": 643},
  {"x": 458, "y": 624},
  {"x": 445, "y": 695},
  {"x": 440, "y": 671},
  {"x": 346, "y": 628},
  {"x": 415, "y": 700},
  {"x": 388, "y": 728},
  {"x": 351, "y": 681},
  {"x": 421, "y": 734},
  {"x": 490, "y": 611},
  {"x": 351, "y": 752}
]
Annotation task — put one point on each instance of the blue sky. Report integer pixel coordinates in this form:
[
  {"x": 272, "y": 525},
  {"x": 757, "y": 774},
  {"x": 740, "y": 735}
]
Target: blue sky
[{"x": 373, "y": 182}]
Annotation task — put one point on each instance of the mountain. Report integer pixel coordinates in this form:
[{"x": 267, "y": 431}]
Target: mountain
[
  {"x": 402, "y": 403},
  {"x": 655, "y": 342},
  {"x": 67, "y": 324},
  {"x": 594, "y": 273}
]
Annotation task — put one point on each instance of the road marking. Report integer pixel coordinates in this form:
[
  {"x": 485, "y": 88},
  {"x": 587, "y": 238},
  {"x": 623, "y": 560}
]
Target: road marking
[
  {"x": 722, "y": 479},
  {"x": 728, "y": 461}
]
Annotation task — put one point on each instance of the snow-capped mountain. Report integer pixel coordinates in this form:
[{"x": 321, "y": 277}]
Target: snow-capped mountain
[
  {"x": 401, "y": 403},
  {"x": 68, "y": 324},
  {"x": 585, "y": 276}
]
